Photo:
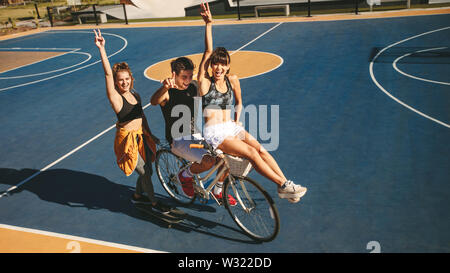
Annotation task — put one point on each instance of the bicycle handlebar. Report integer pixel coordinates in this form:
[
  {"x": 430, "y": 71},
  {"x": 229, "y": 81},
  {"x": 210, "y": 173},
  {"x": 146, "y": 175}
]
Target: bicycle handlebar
[
  {"x": 196, "y": 146},
  {"x": 204, "y": 145}
]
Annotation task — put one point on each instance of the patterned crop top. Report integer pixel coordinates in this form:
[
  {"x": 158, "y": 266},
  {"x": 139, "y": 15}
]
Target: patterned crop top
[{"x": 214, "y": 97}]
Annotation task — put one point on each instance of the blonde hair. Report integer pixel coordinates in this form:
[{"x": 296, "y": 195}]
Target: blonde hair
[{"x": 121, "y": 67}]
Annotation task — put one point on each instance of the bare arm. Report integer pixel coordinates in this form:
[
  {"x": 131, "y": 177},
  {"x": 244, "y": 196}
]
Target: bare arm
[
  {"x": 161, "y": 96},
  {"x": 202, "y": 76},
  {"x": 111, "y": 92},
  {"x": 235, "y": 84}
]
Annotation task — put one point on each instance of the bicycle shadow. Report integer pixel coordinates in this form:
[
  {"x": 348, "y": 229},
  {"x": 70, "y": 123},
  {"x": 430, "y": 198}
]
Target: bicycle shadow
[
  {"x": 202, "y": 225},
  {"x": 80, "y": 189}
]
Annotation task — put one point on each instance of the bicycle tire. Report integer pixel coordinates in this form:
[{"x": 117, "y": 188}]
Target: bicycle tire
[
  {"x": 167, "y": 166},
  {"x": 261, "y": 221}
]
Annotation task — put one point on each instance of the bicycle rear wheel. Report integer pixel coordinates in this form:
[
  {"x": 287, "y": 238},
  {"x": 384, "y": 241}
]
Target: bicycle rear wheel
[
  {"x": 167, "y": 167},
  {"x": 255, "y": 212}
]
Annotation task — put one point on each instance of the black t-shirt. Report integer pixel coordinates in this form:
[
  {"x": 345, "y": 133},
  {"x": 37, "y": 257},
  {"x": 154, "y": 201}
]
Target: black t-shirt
[{"x": 183, "y": 100}]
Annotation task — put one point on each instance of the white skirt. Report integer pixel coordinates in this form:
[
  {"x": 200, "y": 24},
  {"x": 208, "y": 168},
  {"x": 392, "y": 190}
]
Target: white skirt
[{"x": 215, "y": 134}]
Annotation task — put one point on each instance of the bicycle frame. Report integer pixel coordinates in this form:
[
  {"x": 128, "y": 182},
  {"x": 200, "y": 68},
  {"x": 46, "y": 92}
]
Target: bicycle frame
[
  {"x": 199, "y": 185},
  {"x": 207, "y": 192}
]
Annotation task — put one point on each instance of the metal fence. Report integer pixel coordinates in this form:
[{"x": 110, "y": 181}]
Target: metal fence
[{"x": 87, "y": 14}]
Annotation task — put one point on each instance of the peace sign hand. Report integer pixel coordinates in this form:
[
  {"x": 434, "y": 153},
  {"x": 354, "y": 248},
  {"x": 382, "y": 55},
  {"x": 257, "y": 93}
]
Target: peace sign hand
[
  {"x": 170, "y": 82},
  {"x": 205, "y": 12},
  {"x": 99, "y": 40}
]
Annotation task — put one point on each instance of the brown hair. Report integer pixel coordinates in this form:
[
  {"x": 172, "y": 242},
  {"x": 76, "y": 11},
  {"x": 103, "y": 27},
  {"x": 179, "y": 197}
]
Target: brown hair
[
  {"x": 121, "y": 67},
  {"x": 220, "y": 56},
  {"x": 181, "y": 63}
]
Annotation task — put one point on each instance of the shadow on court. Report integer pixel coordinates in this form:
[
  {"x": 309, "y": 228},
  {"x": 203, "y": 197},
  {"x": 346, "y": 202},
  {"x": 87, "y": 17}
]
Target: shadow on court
[{"x": 78, "y": 189}]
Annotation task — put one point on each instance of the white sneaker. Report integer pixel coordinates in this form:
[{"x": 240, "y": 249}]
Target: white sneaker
[{"x": 291, "y": 191}]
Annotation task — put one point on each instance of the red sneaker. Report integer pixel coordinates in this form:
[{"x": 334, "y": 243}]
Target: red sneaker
[
  {"x": 231, "y": 201},
  {"x": 186, "y": 184}
]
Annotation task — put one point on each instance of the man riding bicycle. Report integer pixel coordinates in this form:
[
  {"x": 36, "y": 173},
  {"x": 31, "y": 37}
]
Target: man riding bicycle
[{"x": 176, "y": 98}]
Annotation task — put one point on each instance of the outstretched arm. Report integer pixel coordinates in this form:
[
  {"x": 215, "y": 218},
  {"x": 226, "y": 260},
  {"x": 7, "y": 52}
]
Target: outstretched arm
[
  {"x": 202, "y": 76},
  {"x": 111, "y": 92},
  {"x": 161, "y": 96}
]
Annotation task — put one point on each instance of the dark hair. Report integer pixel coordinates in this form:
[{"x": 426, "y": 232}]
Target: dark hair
[
  {"x": 181, "y": 63},
  {"x": 120, "y": 67},
  {"x": 220, "y": 56}
]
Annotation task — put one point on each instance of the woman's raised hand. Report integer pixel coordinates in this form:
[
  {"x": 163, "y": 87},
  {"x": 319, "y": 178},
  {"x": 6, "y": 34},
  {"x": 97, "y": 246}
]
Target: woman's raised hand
[
  {"x": 99, "y": 40},
  {"x": 205, "y": 12}
]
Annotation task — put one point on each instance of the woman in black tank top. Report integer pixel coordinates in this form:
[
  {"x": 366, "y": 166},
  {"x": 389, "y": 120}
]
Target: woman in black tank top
[
  {"x": 134, "y": 143},
  {"x": 226, "y": 133}
]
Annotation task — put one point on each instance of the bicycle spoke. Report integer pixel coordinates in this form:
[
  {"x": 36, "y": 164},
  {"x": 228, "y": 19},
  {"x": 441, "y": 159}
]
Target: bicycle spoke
[
  {"x": 255, "y": 212},
  {"x": 167, "y": 167}
]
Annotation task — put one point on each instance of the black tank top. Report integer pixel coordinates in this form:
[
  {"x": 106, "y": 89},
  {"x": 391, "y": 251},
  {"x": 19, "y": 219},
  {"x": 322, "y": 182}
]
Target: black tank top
[
  {"x": 214, "y": 97},
  {"x": 130, "y": 111},
  {"x": 179, "y": 97}
]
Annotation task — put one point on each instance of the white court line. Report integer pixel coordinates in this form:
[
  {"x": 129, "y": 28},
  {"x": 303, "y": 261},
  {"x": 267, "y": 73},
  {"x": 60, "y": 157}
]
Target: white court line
[
  {"x": 25, "y": 65},
  {"x": 48, "y": 72},
  {"x": 252, "y": 41},
  {"x": 60, "y": 159},
  {"x": 237, "y": 50},
  {"x": 394, "y": 64},
  {"x": 74, "y": 70},
  {"x": 38, "y": 48},
  {"x": 95, "y": 137},
  {"x": 77, "y": 238},
  {"x": 265, "y": 72},
  {"x": 389, "y": 94}
]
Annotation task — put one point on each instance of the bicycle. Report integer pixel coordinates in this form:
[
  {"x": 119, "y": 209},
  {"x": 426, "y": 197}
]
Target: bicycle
[{"x": 255, "y": 212}]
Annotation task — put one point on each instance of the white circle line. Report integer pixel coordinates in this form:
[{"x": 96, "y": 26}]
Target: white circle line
[
  {"x": 237, "y": 50},
  {"x": 394, "y": 64},
  {"x": 53, "y": 71},
  {"x": 76, "y": 69},
  {"x": 269, "y": 53},
  {"x": 389, "y": 94}
]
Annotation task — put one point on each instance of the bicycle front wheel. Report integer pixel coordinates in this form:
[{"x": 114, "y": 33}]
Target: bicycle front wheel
[
  {"x": 255, "y": 212},
  {"x": 167, "y": 167}
]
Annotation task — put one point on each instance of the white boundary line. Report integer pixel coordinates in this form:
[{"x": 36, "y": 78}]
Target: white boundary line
[
  {"x": 240, "y": 78},
  {"x": 82, "y": 239},
  {"x": 6, "y": 193},
  {"x": 252, "y": 41},
  {"x": 394, "y": 64},
  {"x": 48, "y": 72},
  {"x": 389, "y": 94},
  {"x": 237, "y": 50},
  {"x": 74, "y": 70},
  {"x": 265, "y": 72},
  {"x": 36, "y": 49}
]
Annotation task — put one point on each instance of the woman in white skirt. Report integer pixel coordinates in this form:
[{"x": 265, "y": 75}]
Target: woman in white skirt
[{"x": 223, "y": 132}]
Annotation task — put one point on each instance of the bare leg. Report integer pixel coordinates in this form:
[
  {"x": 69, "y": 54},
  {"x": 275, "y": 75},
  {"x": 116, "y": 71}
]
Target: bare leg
[
  {"x": 265, "y": 155},
  {"x": 206, "y": 164},
  {"x": 237, "y": 147}
]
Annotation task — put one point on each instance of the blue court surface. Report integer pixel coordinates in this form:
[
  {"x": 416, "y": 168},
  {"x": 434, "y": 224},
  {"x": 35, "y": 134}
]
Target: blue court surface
[{"x": 363, "y": 123}]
